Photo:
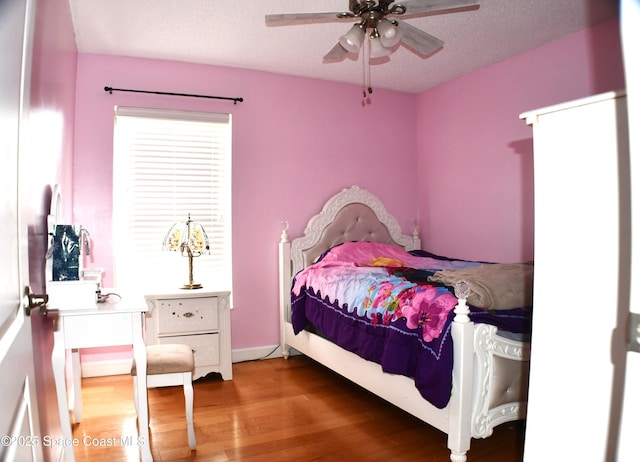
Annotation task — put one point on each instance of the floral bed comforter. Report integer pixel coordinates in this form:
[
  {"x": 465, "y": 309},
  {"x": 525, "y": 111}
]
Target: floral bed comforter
[{"x": 374, "y": 300}]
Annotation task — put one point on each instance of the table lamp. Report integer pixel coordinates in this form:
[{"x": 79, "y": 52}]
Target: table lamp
[{"x": 191, "y": 240}]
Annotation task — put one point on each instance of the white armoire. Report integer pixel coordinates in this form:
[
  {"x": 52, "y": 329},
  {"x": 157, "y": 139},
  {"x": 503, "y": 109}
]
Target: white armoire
[{"x": 581, "y": 287}]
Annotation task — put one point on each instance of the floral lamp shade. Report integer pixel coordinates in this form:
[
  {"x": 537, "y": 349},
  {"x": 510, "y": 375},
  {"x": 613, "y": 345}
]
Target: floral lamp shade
[{"x": 191, "y": 240}]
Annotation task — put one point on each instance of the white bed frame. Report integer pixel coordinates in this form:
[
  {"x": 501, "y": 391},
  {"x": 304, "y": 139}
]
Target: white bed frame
[{"x": 490, "y": 372}]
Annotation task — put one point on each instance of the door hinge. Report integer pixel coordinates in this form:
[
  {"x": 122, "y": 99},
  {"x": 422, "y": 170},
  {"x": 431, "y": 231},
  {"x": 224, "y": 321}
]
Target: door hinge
[{"x": 633, "y": 343}]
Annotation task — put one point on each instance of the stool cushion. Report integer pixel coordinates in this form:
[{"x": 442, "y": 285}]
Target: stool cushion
[{"x": 167, "y": 359}]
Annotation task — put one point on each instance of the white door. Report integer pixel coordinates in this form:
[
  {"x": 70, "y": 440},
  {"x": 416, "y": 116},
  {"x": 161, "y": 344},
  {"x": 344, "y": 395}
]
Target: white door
[
  {"x": 19, "y": 429},
  {"x": 629, "y": 443}
]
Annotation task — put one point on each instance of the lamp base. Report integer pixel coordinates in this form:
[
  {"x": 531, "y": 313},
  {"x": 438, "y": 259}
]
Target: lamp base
[{"x": 192, "y": 286}]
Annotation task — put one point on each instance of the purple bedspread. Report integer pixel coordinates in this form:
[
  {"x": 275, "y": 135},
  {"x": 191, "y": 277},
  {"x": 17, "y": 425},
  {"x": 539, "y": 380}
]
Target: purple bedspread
[{"x": 405, "y": 334}]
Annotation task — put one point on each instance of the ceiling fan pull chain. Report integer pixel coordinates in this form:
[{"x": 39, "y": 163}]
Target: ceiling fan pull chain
[
  {"x": 366, "y": 68},
  {"x": 364, "y": 71},
  {"x": 369, "y": 68}
]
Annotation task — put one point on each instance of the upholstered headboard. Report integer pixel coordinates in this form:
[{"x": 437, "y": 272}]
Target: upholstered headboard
[
  {"x": 353, "y": 222},
  {"x": 353, "y": 214}
]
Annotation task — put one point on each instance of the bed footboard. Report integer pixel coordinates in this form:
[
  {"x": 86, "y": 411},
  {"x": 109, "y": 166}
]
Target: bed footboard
[{"x": 501, "y": 380}]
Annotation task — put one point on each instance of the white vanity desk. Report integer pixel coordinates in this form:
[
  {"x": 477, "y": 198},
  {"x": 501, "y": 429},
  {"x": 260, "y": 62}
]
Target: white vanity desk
[{"x": 112, "y": 323}]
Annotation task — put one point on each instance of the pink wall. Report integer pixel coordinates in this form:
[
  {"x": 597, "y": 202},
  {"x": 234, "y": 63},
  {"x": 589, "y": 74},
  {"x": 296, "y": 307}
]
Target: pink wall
[
  {"x": 296, "y": 142},
  {"x": 49, "y": 157},
  {"x": 473, "y": 145}
]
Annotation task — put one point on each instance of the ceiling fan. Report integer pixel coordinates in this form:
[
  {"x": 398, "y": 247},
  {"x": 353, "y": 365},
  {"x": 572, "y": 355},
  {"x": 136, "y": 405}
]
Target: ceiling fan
[{"x": 377, "y": 19}]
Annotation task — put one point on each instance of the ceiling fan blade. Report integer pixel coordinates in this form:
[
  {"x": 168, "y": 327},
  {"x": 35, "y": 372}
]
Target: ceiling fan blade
[
  {"x": 425, "y": 7},
  {"x": 419, "y": 41},
  {"x": 289, "y": 19},
  {"x": 336, "y": 54}
]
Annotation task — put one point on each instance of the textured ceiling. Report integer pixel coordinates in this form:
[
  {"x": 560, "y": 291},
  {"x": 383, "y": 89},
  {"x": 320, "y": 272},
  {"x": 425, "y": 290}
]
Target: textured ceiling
[{"x": 233, "y": 33}]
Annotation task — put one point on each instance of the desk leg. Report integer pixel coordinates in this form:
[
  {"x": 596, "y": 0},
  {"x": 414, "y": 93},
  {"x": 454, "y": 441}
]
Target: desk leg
[
  {"x": 140, "y": 356},
  {"x": 59, "y": 375},
  {"x": 77, "y": 385}
]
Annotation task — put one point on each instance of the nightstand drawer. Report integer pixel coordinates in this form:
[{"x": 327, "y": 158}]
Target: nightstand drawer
[
  {"x": 187, "y": 315},
  {"x": 206, "y": 347}
]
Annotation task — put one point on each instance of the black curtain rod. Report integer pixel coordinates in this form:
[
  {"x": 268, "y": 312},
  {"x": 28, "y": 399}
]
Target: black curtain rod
[{"x": 235, "y": 100}]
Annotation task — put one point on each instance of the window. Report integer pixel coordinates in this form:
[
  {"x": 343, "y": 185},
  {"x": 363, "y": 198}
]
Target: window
[{"x": 169, "y": 165}]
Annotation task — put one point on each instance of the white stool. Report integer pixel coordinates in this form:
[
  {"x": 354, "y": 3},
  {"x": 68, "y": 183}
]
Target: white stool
[{"x": 171, "y": 365}]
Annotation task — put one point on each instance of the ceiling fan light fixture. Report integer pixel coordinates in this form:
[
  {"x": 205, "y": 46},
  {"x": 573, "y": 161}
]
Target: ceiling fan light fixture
[
  {"x": 390, "y": 34},
  {"x": 378, "y": 50},
  {"x": 352, "y": 40}
]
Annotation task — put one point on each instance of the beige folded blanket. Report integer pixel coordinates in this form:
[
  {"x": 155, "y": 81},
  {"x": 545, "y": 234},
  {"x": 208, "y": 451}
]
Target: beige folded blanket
[{"x": 499, "y": 286}]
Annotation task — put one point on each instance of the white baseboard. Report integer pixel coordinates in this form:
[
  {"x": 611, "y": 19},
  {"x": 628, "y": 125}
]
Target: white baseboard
[
  {"x": 251, "y": 354},
  {"x": 123, "y": 366}
]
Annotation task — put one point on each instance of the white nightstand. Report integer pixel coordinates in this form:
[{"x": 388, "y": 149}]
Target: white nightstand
[{"x": 196, "y": 318}]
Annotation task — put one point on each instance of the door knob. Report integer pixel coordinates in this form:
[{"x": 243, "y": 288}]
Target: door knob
[{"x": 35, "y": 301}]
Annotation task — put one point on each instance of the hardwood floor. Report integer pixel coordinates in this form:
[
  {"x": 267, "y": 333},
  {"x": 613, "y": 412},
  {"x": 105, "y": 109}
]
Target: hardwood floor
[{"x": 273, "y": 410}]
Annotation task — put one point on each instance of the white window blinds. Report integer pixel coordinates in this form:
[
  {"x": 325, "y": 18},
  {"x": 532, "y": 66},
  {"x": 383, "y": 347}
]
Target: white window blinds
[{"x": 169, "y": 165}]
